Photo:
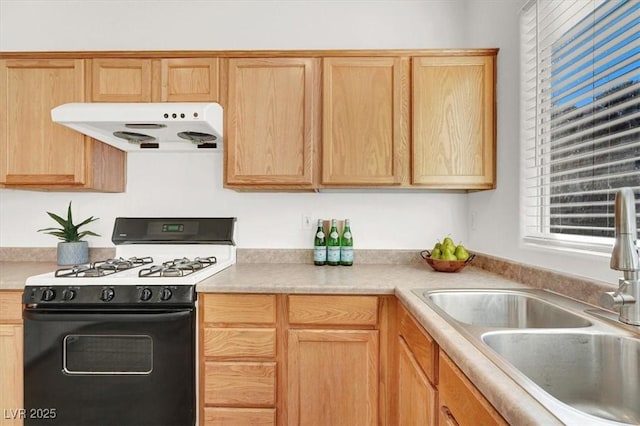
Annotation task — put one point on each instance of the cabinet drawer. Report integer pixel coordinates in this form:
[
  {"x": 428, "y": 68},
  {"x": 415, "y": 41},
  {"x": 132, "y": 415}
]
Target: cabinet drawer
[
  {"x": 423, "y": 347},
  {"x": 223, "y": 416},
  {"x": 240, "y": 308},
  {"x": 333, "y": 310},
  {"x": 11, "y": 306},
  {"x": 460, "y": 399},
  {"x": 250, "y": 384},
  {"x": 240, "y": 342}
]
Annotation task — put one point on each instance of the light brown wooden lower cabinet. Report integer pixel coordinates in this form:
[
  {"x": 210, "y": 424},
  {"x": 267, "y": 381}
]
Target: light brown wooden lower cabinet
[
  {"x": 416, "y": 395},
  {"x": 331, "y": 360},
  {"x": 333, "y": 377},
  {"x": 10, "y": 356},
  {"x": 460, "y": 401}
]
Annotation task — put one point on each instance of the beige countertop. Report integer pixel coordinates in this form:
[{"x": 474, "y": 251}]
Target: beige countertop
[
  {"x": 14, "y": 274},
  {"x": 511, "y": 400}
]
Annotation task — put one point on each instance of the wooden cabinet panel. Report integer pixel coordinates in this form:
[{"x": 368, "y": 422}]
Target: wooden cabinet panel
[
  {"x": 333, "y": 310},
  {"x": 271, "y": 122},
  {"x": 240, "y": 342},
  {"x": 365, "y": 121},
  {"x": 222, "y": 416},
  {"x": 460, "y": 401},
  {"x": 11, "y": 357},
  {"x": 423, "y": 347},
  {"x": 34, "y": 149},
  {"x": 10, "y": 307},
  {"x": 189, "y": 80},
  {"x": 333, "y": 377},
  {"x": 416, "y": 395},
  {"x": 121, "y": 80},
  {"x": 240, "y": 309},
  {"x": 454, "y": 121},
  {"x": 11, "y": 370},
  {"x": 35, "y": 152},
  {"x": 251, "y": 384}
]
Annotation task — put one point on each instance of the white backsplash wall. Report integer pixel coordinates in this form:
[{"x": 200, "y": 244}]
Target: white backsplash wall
[{"x": 191, "y": 185}]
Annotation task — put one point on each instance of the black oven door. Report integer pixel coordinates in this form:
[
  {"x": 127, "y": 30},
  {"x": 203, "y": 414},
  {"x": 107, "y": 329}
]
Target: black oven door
[{"x": 120, "y": 368}]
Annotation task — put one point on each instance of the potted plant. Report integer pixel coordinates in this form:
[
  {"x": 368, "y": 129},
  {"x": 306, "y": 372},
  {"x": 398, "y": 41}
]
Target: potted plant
[{"x": 72, "y": 250}]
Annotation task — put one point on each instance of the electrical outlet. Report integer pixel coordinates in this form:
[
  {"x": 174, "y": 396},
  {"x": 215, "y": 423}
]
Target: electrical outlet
[
  {"x": 474, "y": 220},
  {"x": 307, "y": 222}
]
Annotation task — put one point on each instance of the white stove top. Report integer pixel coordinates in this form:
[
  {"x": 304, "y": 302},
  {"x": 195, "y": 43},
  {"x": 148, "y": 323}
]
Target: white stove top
[{"x": 225, "y": 256}]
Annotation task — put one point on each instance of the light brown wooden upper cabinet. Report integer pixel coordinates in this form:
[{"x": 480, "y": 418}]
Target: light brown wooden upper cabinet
[
  {"x": 453, "y": 121},
  {"x": 271, "y": 122},
  {"x": 154, "y": 80},
  {"x": 365, "y": 138},
  {"x": 36, "y": 153}
]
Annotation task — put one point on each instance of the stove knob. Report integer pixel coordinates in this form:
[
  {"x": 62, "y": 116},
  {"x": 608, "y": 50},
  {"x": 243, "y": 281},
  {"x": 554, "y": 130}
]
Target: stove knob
[
  {"x": 107, "y": 294},
  {"x": 48, "y": 295},
  {"x": 145, "y": 294},
  {"x": 165, "y": 294},
  {"x": 68, "y": 294}
]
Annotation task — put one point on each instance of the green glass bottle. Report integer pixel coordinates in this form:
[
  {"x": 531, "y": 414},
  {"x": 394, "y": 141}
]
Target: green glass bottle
[
  {"x": 320, "y": 246},
  {"x": 346, "y": 245},
  {"x": 333, "y": 245}
]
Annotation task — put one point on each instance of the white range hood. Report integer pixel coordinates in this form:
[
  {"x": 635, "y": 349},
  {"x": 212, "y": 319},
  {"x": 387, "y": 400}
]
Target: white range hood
[{"x": 147, "y": 127}]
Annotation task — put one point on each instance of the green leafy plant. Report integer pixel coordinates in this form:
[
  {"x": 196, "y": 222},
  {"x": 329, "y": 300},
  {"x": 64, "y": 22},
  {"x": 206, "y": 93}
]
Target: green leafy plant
[{"x": 69, "y": 232}]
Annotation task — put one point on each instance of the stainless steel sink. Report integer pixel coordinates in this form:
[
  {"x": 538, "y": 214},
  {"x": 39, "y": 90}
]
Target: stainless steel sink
[
  {"x": 598, "y": 374},
  {"x": 503, "y": 309},
  {"x": 577, "y": 360}
]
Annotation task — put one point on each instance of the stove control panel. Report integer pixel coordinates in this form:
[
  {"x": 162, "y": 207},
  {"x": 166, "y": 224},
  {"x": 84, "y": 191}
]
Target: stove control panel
[{"x": 105, "y": 295}]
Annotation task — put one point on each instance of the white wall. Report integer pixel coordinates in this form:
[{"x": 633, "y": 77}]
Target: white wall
[
  {"x": 191, "y": 185},
  {"x": 380, "y": 220},
  {"x": 497, "y": 213}
]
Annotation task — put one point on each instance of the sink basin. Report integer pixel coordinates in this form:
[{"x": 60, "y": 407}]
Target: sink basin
[
  {"x": 502, "y": 309},
  {"x": 597, "y": 374},
  {"x": 578, "y": 361}
]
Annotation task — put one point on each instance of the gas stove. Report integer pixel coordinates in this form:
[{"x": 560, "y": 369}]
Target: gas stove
[{"x": 157, "y": 261}]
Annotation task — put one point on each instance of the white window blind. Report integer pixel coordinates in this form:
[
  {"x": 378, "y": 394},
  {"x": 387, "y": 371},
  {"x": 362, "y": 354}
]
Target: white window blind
[{"x": 580, "y": 116}]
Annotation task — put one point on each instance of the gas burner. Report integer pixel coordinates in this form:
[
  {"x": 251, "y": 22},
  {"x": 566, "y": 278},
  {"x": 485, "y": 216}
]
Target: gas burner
[
  {"x": 177, "y": 267},
  {"x": 102, "y": 268}
]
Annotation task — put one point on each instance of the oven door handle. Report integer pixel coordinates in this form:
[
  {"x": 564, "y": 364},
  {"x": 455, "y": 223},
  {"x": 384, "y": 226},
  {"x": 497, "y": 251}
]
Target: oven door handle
[{"x": 105, "y": 315}]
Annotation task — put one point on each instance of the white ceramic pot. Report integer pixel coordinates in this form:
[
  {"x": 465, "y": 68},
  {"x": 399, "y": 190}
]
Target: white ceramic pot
[{"x": 76, "y": 253}]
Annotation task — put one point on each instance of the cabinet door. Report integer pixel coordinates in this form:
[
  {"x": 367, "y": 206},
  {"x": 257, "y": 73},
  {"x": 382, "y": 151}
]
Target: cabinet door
[
  {"x": 271, "y": 122},
  {"x": 188, "y": 80},
  {"x": 120, "y": 80},
  {"x": 416, "y": 395},
  {"x": 11, "y": 332},
  {"x": 333, "y": 377},
  {"x": 11, "y": 373},
  {"x": 35, "y": 152},
  {"x": 454, "y": 122},
  {"x": 33, "y": 149},
  {"x": 365, "y": 121},
  {"x": 460, "y": 402}
]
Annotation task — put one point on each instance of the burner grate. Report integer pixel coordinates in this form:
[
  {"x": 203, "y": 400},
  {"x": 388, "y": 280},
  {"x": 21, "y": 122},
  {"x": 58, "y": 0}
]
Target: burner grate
[
  {"x": 177, "y": 267},
  {"x": 103, "y": 268}
]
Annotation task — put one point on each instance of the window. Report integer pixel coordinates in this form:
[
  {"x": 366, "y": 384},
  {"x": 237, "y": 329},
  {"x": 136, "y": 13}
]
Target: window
[{"x": 580, "y": 117}]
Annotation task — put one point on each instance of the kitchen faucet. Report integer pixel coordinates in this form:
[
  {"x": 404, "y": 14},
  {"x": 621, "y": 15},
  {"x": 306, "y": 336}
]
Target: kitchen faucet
[{"x": 625, "y": 257}]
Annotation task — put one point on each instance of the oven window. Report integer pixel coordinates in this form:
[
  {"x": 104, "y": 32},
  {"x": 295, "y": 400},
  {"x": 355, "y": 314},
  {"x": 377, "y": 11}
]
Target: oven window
[{"x": 107, "y": 354}]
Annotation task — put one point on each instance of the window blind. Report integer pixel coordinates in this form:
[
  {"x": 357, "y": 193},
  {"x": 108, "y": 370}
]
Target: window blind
[{"x": 580, "y": 116}]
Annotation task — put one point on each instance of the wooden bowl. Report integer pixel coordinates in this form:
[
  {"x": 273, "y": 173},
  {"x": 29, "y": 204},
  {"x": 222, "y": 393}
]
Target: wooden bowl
[{"x": 446, "y": 265}]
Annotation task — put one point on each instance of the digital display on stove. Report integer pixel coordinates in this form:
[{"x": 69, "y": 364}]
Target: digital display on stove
[{"x": 172, "y": 227}]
